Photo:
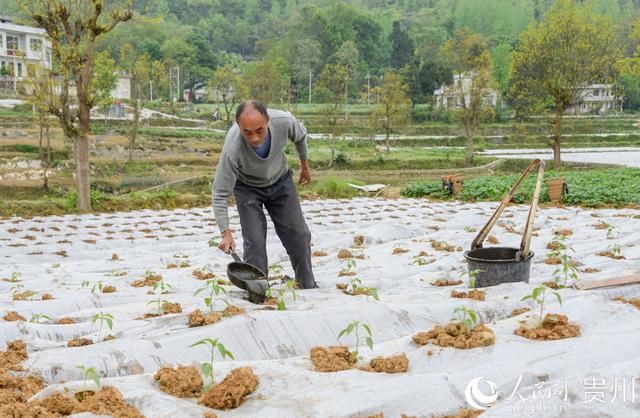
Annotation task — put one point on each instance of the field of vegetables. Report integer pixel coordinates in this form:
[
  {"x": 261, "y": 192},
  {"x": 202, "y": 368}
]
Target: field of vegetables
[{"x": 615, "y": 187}]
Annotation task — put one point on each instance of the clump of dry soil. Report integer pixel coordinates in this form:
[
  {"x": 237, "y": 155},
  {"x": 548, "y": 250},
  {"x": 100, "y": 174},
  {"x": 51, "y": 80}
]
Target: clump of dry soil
[
  {"x": 106, "y": 401},
  {"x": 232, "y": 310},
  {"x": 197, "y": 318},
  {"x": 455, "y": 335},
  {"x": 183, "y": 381},
  {"x": 331, "y": 359},
  {"x": 518, "y": 311},
  {"x": 554, "y": 327},
  {"x": 446, "y": 282},
  {"x": 79, "y": 342},
  {"x": 633, "y": 301},
  {"x": 472, "y": 294},
  {"x": 13, "y": 316},
  {"x": 394, "y": 364},
  {"x": 232, "y": 391}
]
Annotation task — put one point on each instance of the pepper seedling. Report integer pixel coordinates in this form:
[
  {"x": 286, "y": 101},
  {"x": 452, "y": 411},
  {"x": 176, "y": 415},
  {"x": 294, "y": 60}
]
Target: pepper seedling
[
  {"x": 104, "y": 318},
  {"x": 207, "y": 367},
  {"x": 467, "y": 317},
  {"x": 214, "y": 288},
  {"x": 88, "y": 373},
  {"x": 538, "y": 295},
  {"x": 472, "y": 276},
  {"x": 354, "y": 327}
]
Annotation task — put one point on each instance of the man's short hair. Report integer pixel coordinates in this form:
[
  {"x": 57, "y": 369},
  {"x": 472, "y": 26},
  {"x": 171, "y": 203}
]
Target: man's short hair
[{"x": 255, "y": 104}]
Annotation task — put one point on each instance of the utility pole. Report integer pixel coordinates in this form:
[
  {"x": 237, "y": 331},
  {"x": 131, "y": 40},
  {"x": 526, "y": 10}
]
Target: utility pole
[
  {"x": 170, "y": 84},
  {"x": 368, "y": 88},
  {"x": 151, "y": 89},
  {"x": 310, "y": 76},
  {"x": 178, "y": 87}
]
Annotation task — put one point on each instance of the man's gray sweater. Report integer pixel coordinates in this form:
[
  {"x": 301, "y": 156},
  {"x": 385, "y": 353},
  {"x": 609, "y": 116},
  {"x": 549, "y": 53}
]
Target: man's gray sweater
[{"x": 239, "y": 161}]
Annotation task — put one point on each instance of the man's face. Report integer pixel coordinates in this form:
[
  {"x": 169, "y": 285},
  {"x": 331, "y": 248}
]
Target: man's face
[{"x": 253, "y": 127}]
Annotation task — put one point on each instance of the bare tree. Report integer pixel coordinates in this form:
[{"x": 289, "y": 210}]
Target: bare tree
[
  {"x": 39, "y": 88},
  {"x": 74, "y": 26},
  {"x": 393, "y": 110}
]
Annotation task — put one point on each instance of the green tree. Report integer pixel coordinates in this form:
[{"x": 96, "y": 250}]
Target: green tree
[
  {"x": 393, "y": 110},
  {"x": 306, "y": 59},
  {"x": 628, "y": 69},
  {"x": 332, "y": 80},
  {"x": 73, "y": 27},
  {"x": 468, "y": 55},
  {"x": 158, "y": 86},
  {"x": 347, "y": 56},
  {"x": 140, "y": 71},
  {"x": 266, "y": 80},
  {"x": 401, "y": 46},
  {"x": 571, "y": 48},
  {"x": 228, "y": 82},
  {"x": 104, "y": 80},
  {"x": 501, "y": 57}
]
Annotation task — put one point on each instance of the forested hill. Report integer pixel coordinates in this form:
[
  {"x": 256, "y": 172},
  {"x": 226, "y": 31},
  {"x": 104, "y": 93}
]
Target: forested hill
[{"x": 302, "y": 36}]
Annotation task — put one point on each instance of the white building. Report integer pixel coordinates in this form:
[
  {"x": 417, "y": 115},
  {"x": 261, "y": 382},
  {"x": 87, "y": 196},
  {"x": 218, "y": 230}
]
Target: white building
[
  {"x": 21, "y": 48},
  {"x": 450, "y": 97},
  {"x": 122, "y": 90},
  {"x": 598, "y": 98}
]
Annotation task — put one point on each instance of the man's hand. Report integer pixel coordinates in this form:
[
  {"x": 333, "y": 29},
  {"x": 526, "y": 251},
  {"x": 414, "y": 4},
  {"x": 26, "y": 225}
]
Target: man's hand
[
  {"x": 227, "y": 244},
  {"x": 305, "y": 173}
]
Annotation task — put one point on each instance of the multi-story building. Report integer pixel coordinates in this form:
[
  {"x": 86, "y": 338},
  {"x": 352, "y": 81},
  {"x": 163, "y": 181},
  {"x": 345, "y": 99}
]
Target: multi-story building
[
  {"x": 451, "y": 96},
  {"x": 596, "y": 98},
  {"x": 22, "y": 48}
]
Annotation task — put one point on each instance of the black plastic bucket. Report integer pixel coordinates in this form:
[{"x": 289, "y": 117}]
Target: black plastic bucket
[{"x": 498, "y": 265}]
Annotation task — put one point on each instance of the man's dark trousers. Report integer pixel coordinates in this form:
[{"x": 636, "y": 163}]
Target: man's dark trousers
[{"x": 282, "y": 204}]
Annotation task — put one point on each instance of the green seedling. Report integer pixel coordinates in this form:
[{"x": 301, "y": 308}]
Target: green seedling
[
  {"x": 89, "y": 373},
  {"x": 538, "y": 295},
  {"x": 214, "y": 242},
  {"x": 159, "y": 302},
  {"x": 354, "y": 289},
  {"x": 354, "y": 327},
  {"x": 207, "y": 368},
  {"x": 611, "y": 232},
  {"x": 215, "y": 290},
  {"x": 467, "y": 317},
  {"x": 37, "y": 318},
  {"x": 18, "y": 292},
  {"x": 349, "y": 267},
  {"x": 162, "y": 286},
  {"x": 472, "y": 276},
  {"x": 280, "y": 294},
  {"x": 469, "y": 229},
  {"x": 150, "y": 274},
  {"x": 615, "y": 249},
  {"x": 419, "y": 260},
  {"x": 567, "y": 270},
  {"x": 290, "y": 285},
  {"x": 16, "y": 277},
  {"x": 96, "y": 287},
  {"x": 275, "y": 269},
  {"x": 17, "y": 289},
  {"x": 104, "y": 318}
]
